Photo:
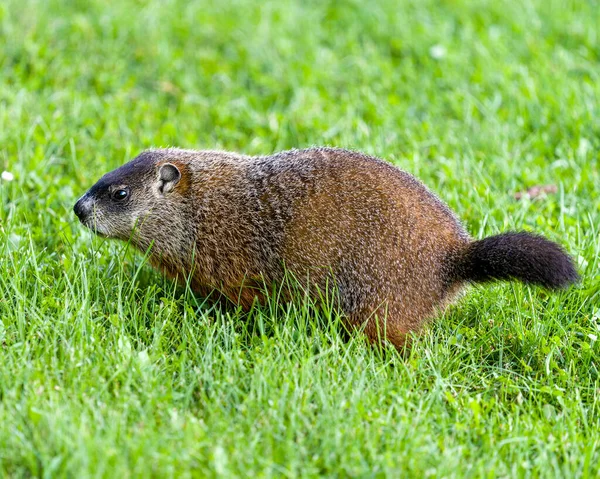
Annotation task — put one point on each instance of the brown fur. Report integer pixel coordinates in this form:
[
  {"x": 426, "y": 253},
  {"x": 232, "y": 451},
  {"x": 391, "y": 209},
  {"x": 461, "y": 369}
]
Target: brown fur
[{"x": 328, "y": 216}]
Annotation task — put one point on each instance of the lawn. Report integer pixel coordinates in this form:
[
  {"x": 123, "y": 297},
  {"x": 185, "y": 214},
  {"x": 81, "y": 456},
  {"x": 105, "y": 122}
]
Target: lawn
[{"x": 109, "y": 370}]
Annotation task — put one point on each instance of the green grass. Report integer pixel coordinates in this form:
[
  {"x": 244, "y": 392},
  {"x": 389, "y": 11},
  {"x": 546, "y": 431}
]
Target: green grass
[{"x": 109, "y": 370}]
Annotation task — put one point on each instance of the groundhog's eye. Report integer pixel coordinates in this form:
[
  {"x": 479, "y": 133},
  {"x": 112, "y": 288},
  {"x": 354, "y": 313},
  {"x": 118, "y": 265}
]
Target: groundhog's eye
[{"x": 119, "y": 195}]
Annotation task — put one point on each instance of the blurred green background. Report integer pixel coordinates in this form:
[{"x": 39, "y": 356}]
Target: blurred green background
[{"x": 108, "y": 370}]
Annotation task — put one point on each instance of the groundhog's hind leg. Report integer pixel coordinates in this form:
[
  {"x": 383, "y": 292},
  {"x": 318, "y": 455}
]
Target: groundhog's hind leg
[
  {"x": 389, "y": 323},
  {"x": 376, "y": 325}
]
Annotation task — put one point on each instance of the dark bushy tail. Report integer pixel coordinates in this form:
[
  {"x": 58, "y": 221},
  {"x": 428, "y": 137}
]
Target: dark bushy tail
[{"x": 523, "y": 256}]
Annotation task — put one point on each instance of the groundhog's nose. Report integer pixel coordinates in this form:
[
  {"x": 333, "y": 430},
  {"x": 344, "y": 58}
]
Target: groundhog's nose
[
  {"x": 77, "y": 209},
  {"x": 80, "y": 208}
]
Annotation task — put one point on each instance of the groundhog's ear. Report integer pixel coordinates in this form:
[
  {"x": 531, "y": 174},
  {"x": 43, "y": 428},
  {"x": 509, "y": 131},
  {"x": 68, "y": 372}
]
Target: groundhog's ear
[{"x": 168, "y": 177}]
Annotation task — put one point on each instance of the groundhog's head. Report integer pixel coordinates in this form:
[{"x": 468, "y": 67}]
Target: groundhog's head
[{"x": 124, "y": 199}]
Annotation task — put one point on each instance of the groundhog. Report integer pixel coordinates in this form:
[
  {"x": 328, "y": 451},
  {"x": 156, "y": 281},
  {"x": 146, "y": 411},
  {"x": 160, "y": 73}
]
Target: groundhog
[{"x": 393, "y": 253}]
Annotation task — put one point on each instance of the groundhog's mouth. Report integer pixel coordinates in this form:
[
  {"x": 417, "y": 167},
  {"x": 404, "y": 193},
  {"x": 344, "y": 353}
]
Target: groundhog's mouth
[
  {"x": 99, "y": 233},
  {"x": 93, "y": 226}
]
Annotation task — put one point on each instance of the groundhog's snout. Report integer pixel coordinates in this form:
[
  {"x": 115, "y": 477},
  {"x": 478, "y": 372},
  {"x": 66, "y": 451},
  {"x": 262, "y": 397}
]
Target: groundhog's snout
[{"x": 82, "y": 208}]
